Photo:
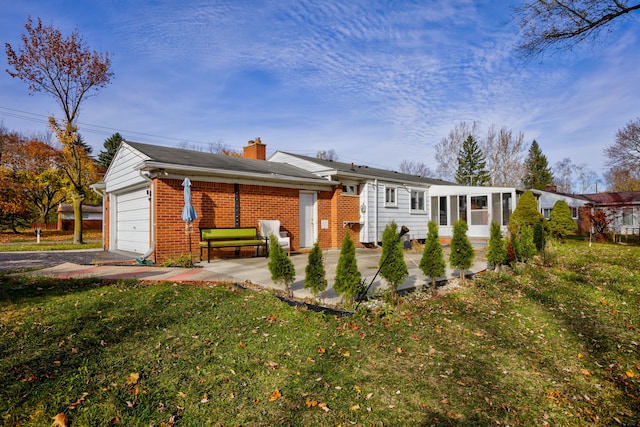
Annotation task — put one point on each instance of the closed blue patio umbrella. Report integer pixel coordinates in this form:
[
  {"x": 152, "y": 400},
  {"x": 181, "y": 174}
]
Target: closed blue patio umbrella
[{"x": 188, "y": 212}]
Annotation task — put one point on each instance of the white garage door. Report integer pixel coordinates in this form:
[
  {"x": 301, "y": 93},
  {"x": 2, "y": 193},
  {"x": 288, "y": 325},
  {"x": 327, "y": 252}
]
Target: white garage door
[{"x": 132, "y": 221}]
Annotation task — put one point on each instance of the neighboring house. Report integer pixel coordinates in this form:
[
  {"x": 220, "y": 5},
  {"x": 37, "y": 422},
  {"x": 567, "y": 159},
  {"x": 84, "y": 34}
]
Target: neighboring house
[
  {"x": 91, "y": 217},
  {"x": 381, "y": 196},
  {"x": 623, "y": 208}
]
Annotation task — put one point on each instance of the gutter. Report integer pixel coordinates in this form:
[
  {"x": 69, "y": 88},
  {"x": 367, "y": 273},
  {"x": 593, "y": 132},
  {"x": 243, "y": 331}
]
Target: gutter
[{"x": 152, "y": 248}]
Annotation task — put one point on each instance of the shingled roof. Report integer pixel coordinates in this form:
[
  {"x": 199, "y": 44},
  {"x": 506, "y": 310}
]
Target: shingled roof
[
  {"x": 351, "y": 169},
  {"x": 203, "y": 160}
]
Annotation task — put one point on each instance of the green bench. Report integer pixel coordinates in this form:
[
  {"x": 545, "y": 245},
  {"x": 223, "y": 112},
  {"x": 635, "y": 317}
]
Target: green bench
[{"x": 215, "y": 238}]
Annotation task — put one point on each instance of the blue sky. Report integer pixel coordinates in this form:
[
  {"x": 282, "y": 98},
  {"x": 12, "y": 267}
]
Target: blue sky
[{"x": 377, "y": 81}]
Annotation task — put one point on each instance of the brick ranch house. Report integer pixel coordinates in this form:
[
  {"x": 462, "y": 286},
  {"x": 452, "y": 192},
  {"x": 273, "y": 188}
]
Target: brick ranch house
[{"x": 314, "y": 199}]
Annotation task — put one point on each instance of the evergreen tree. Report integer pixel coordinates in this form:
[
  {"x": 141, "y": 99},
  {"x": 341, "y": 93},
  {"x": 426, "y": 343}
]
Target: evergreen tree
[
  {"x": 538, "y": 234},
  {"x": 537, "y": 171},
  {"x": 314, "y": 278},
  {"x": 432, "y": 262},
  {"x": 280, "y": 265},
  {"x": 497, "y": 251},
  {"x": 111, "y": 145},
  {"x": 560, "y": 222},
  {"x": 471, "y": 164},
  {"x": 526, "y": 248},
  {"x": 526, "y": 212},
  {"x": 393, "y": 268},
  {"x": 462, "y": 253},
  {"x": 348, "y": 279}
]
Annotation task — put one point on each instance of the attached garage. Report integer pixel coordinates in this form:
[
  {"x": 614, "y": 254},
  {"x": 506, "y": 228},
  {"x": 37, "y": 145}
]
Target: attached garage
[{"x": 132, "y": 221}]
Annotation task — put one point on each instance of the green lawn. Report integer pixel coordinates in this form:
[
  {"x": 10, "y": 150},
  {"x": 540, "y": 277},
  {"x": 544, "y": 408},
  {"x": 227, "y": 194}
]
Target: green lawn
[{"x": 552, "y": 345}]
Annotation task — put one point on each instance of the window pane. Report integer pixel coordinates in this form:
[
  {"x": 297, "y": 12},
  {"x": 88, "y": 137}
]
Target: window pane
[
  {"x": 506, "y": 208},
  {"x": 453, "y": 200},
  {"x": 495, "y": 208},
  {"x": 434, "y": 209},
  {"x": 462, "y": 208},
  {"x": 479, "y": 210},
  {"x": 443, "y": 211}
]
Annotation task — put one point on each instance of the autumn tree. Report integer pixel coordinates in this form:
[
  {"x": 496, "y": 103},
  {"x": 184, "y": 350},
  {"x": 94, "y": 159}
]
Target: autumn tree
[
  {"x": 327, "y": 155},
  {"x": 623, "y": 157},
  {"x": 111, "y": 146},
  {"x": 619, "y": 179},
  {"x": 393, "y": 267},
  {"x": 562, "y": 24},
  {"x": 471, "y": 164},
  {"x": 66, "y": 69},
  {"x": 432, "y": 262},
  {"x": 462, "y": 253},
  {"x": 537, "y": 173}
]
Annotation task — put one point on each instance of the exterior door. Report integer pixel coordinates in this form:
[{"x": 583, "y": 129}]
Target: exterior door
[
  {"x": 132, "y": 215},
  {"x": 308, "y": 221}
]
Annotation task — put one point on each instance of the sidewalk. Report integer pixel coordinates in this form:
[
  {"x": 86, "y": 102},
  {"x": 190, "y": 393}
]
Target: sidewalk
[{"x": 256, "y": 271}]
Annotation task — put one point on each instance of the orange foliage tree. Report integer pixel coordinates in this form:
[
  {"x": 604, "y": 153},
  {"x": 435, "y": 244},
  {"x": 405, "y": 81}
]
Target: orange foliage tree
[{"x": 66, "y": 69}]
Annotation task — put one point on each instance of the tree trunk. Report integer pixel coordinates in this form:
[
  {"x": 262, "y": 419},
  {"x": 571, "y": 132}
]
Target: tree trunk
[{"x": 77, "y": 200}]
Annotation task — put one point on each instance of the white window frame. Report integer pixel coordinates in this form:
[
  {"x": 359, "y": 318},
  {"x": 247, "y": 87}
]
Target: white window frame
[
  {"x": 418, "y": 192},
  {"x": 393, "y": 200},
  {"x": 350, "y": 189}
]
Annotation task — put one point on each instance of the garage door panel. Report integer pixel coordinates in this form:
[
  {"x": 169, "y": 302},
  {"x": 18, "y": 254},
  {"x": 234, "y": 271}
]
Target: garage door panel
[{"x": 132, "y": 221}]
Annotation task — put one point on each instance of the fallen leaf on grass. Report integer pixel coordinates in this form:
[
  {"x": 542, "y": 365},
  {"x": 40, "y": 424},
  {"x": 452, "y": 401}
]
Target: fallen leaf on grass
[
  {"x": 60, "y": 420},
  {"x": 321, "y": 350},
  {"x": 272, "y": 365},
  {"x": 355, "y": 407},
  {"x": 133, "y": 378},
  {"x": 311, "y": 403},
  {"x": 78, "y": 402},
  {"x": 275, "y": 395},
  {"x": 630, "y": 373},
  {"x": 324, "y": 407},
  {"x": 585, "y": 372},
  {"x": 205, "y": 398}
]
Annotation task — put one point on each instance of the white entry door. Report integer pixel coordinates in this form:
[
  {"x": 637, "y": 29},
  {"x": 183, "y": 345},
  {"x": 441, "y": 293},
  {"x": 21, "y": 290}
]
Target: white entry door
[{"x": 308, "y": 221}]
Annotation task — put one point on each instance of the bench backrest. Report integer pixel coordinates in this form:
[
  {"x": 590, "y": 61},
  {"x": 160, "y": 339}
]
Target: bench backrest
[{"x": 228, "y": 233}]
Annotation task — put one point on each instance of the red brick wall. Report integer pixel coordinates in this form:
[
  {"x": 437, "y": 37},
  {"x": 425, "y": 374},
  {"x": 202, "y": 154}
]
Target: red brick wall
[{"x": 215, "y": 206}]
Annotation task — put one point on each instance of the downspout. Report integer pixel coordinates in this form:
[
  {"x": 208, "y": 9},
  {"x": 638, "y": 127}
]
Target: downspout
[
  {"x": 375, "y": 213},
  {"x": 152, "y": 248}
]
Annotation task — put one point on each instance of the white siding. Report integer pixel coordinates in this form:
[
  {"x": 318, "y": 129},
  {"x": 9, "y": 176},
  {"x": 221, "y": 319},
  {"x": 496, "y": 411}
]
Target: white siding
[
  {"x": 132, "y": 225},
  {"x": 400, "y": 212},
  {"x": 121, "y": 173},
  {"x": 312, "y": 167}
]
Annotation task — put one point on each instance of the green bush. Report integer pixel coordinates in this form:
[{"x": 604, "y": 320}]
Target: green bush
[
  {"x": 348, "y": 278},
  {"x": 280, "y": 265},
  {"x": 497, "y": 251},
  {"x": 314, "y": 278},
  {"x": 462, "y": 253},
  {"x": 432, "y": 262},
  {"x": 560, "y": 221},
  {"x": 393, "y": 268}
]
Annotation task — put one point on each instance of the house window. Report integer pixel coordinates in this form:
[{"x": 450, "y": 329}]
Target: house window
[
  {"x": 546, "y": 213},
  {"x": 506, "y": 208},
  {"x": 443, "y": 211},
  {"x": 351, "y": 190},
  {"x": 390, "y": 196},
  {"x": 418, "y": 200},
  {"x": 627, "y": 217},
  {"x": 479, "y": 210},
  {"x": 574, "y": 212},
  {"x": 462, "y": 208}
]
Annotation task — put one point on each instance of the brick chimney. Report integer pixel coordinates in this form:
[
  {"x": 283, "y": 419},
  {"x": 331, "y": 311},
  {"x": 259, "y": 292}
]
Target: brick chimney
[
  {"x": 551, "y": 188},
  {"x": 255, "y": 149}
]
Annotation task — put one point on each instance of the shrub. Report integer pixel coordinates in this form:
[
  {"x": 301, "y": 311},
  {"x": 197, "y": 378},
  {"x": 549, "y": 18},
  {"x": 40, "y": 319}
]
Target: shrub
[
  {"x": 496, "y": 252},
  {"x": 560, "y": 221},
  {"x": 314, "y": 278},
  {"x": 348, "y": 279},
  {"x": 462, "y": 253},
  {"x": 525, "y": 214},
  {"x": 393, "y": 268},
  {"x": 432, "y": 262},
  {"x": 280, "y": 266}
]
